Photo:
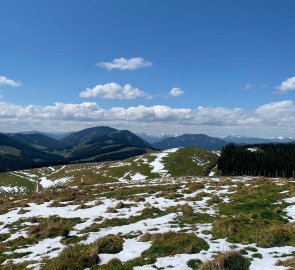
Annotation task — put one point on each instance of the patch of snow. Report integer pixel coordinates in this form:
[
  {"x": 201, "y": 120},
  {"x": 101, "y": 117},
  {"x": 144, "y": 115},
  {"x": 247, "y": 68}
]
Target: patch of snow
[
  {"x": 157, "y": 165},
  {"x": 138, "y": 177},
  {"x": 252, "y": 149},
  {"x": 50, "y": 247},
  {"x": 289, "y": 200},
  {"x": 131, "y": 249},
  {"x": 12, "y": 189},
  {"x": 211, "y": 173},
  {"x": 47, "y": 183}
]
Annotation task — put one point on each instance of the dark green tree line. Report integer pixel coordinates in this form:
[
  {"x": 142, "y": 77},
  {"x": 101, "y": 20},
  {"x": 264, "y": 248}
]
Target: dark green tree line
[{"x": 258, "y": 159}]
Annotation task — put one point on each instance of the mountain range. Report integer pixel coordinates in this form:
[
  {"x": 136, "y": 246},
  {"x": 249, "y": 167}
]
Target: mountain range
[
  {"x": 187, "y": 140},
  {"x": 254, "y": 140},
  {"x": 20, "y": 151},
  {"x": 35, "y": 149}
]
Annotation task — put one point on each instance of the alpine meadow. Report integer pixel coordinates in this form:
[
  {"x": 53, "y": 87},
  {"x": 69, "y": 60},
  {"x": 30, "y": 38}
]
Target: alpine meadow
[{"x": 143, "y": 135}]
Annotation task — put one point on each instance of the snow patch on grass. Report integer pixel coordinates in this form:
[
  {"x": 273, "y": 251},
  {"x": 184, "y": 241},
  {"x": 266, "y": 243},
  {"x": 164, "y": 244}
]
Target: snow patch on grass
[
  {"x": 47, "y": 183},
  {"x": 157, "y": 164}
]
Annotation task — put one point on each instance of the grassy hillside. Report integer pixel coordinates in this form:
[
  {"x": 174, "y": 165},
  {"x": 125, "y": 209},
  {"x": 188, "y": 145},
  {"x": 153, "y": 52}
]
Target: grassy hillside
[
  {"x": 169, "y": 163},
  {"x": 181, "y": 223}
]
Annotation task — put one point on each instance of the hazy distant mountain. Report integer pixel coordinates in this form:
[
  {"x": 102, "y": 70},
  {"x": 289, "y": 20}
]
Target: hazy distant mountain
[
  {"x": 253, "y": 140},
  {"x": 187, "y": 140},
  {"x": 57, "y": 135},
  {"x": 152, "y": 138}
]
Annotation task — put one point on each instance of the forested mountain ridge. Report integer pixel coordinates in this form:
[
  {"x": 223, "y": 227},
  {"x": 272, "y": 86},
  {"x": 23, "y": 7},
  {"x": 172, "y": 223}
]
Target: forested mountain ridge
[
  {"x": 20, "y": 151},
  {"x": 15, "y": 155}
]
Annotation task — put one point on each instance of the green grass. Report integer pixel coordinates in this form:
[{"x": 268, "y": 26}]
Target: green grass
[
  {"x": 252, "y": 217},
  {"x": 172, "y": 243},
  {"x": 76, "y": 257},
  {"x": 51, "y": 227},
  {"x": 184, "y": 162},
  {"x": 116, "y": 264},
  {"x": 231, "y": 260},
  {"x": 9, "y": 179},
  {"x": 110, "y": 244},
  {"x": 181, "y": 163},
  {"x": 150, "y": 212}
]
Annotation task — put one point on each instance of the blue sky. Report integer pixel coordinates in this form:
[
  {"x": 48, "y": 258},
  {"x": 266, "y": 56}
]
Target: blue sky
[{"x": 232, "y": 63}]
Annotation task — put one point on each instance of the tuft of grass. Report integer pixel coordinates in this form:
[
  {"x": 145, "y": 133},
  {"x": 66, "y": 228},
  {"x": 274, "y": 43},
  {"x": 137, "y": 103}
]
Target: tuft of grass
[
  {"x": 74, "y": 258},
  {"x": 231, "y": 260},
  {"x": 194, "y": 263},
  {"x": 110, "y": 244},
  {"x": 172, "y": 243},
  {"x": 116, "y": 264},
  {"x": 4, "y": 236},
  {"x": 290, "y": 263},
  {"x": 51, "y": 227}
]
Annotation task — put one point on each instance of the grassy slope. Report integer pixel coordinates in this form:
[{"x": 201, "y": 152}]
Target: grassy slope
[
  {"x": 253, "y": 214},
  {"x": 184, "y": 162}
]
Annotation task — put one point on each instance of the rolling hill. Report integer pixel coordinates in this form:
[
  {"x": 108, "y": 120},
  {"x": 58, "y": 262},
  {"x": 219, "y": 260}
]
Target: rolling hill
[
  {"x": 177, "y": 162},
  {"x": 19, "y": 151},
  {"x": 102, "y": 143},
  {"x": 188, "y": 140}
]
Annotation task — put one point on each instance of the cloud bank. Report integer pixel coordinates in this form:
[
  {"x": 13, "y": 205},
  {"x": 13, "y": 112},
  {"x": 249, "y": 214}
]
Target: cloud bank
[
  {"x": 280, "y": 115},
  {"x": 125, "y": 64}
]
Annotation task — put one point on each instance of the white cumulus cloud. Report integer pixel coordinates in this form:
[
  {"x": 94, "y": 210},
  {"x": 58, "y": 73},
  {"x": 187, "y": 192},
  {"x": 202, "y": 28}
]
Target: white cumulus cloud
[
  {"x": 113, "y": 91},
  {"x": 278, "y": 116},
  {"x": 287, "y": 85},
  {"x": 125, "y": 63},
  {"x": 8, "y": 82},
  {"x": 175, "y": 92}
]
